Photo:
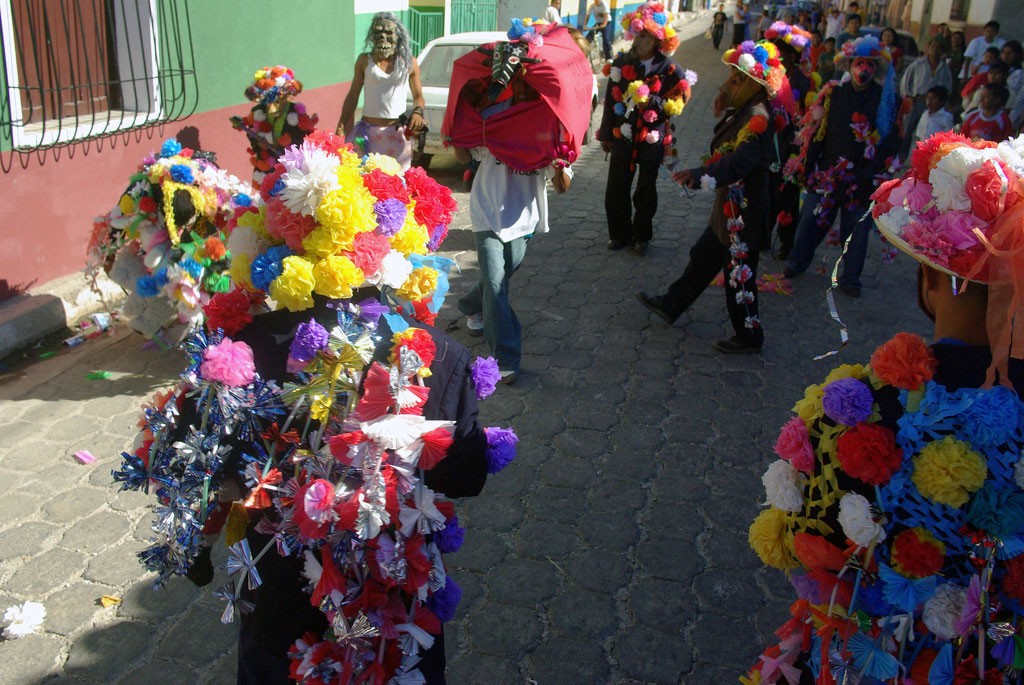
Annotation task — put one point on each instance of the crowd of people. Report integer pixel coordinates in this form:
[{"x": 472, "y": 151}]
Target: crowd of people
[{"x": 898, "y": 483}]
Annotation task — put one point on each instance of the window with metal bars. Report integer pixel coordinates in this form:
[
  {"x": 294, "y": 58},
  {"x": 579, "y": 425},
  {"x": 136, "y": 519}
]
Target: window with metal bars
[
  {"x": 81, "y": 69},
  {"x": 959, "y": 9}
]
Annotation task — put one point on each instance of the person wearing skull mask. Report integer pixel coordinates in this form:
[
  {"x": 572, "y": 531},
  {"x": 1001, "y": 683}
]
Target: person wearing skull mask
[
  {"x": 737, "y": 169},
  {"x": 386, "y": 72},
  {"x": 843, "y": 154}
]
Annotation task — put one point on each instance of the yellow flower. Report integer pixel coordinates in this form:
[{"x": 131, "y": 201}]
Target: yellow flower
[
  {"x": 809, "y": 408},
  {"x": 670, "y": 31},
  {"x": 347, "y": 211},
  {"x": 322, "y": 242},
  {"x": 256, "y": 222},
  {"x": 411, "y": 238},
  {"x": 126, "y": 205},
  {"x": 336, "y": 276},
  {"x": 846, "y": 371},
  {"x": 320, "y": 408},
  {"x": 420, "y": 285},
  {"x": 948, "y": 471},
  {"x": 770, "y": 537},
  {"x": 673, "y": 107},
  {"x": 294, "y": 287},
  {"x": 389, "y": 165},
  {"x": 241, "y": 270},
  {"x": 349, "y": 158}
]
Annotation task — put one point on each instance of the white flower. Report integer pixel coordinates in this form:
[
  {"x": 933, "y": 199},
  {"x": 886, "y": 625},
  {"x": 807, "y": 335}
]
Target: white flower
[
  {"x": 857, "y": 522},
  {"x": 306, "y": 182},
  {"x": 942, "y": 612},
  {"x": 652, "y": 137},
  {"x": 784, "y": 486},
  {"x": 1018, "y": 473},
  {"x": 243, "y": 240},
  {"x": 394, "y": 270},
  {"x": 627, "y": 131},
  {"x": 1012, "y": 152},
  {"x": 690, "y": 76},
  {"x": 746, "y": 62},
  {"x": 292, "y": 118},
  {"x": 23, "y": 620},
  {"x": 259, "y": 115},
  {"x": 708, "y": 183},
  {"x": 948, "y": 191},
  {"x": 615, "y": 74}
]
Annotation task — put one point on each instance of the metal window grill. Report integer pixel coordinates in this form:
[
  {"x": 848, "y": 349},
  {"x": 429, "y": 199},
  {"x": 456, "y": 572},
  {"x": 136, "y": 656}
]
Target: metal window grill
[{"x": 77, "y": 70}]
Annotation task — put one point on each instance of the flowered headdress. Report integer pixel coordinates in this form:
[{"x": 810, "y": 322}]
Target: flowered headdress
[
  {"x": 657, "y": 21},
  {"x": 334, "y": 222},
  {"x": 166, "y": 236},
  {"x": 895, "y": 508},
  {"x": 271, "y": 84},
  {"x": 760, "y": 61},
  {"x": 959, "y": 210},
  {"x": 793, "y": 36},
  {"x": 868, "y": 47}
]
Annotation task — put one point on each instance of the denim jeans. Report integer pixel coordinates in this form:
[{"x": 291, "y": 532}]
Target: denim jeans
[
  {"x": 809, "y": 234},
  {"x": 497, "y": 262}
]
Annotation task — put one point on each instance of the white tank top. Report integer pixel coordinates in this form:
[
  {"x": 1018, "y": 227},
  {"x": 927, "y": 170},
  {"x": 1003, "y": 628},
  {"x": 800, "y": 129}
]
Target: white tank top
[{"x": 384, "y": 94}]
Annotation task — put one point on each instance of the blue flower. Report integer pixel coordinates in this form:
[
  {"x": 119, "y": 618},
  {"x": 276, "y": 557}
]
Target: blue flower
[
  {"x": 160, "y": 278},
  {"x": 182, "y": 173},
  {"x": 277, "y": 189},
  {"x": 146, "y": 286},
  {"x": 659, "y": 18},
  {"x": 516, "y": 31},
  {"x": 170, "y": 148},
  {"x": 991, "y": 418},
  {"x": 501, "y": 448},
  {"x": 997, "y": 511},
  {"x": 445, "y": 601},
  {"x": 760, "y": 54},
  {"x": 267, "y": 266},
  {"x": 449, "y": 539},
  {"x": 192, "y": 267},
  {"x": 243, "y": 200}
]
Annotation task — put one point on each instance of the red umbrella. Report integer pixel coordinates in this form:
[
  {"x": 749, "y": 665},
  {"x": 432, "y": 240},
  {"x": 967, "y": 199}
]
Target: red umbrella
[{"x": 528, "y": 135}]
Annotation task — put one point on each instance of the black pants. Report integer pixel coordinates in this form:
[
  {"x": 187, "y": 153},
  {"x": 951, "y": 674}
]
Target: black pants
[
  {"x": 631, "y": 222},
  {"x": 708, "y": 256},
  {"x": 785, "y": 197},
  {"x": 739, "y": 34},
  {"x": 716, "y": 35}
]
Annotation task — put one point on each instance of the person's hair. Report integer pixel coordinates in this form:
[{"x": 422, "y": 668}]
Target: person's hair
[
  {"x": 854, "y": 4},
  {"x": 1018, "y": 52},
  {"x": 887, "y": 29},
  {"x": 851, "y": 16},
  {"x": 830, "y": 39},
  {"x": 993, "y": 25},
  {"x": 991, "y": 51},
  {"x": 941, "y": 92},
  {"x": 816, "y": 32},
  {"x": 403, "y": 55},
  {"x": 963, "y": 38},
  {"x": 1001, "y": 68},
  {"x": 943, "y": 25},
  {"x": 1000, "y": 92},
  {"x": 935, "y": 40}
]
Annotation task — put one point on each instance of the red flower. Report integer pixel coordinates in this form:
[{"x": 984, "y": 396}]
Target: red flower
[
  {"x": 917, "y": 554},
  {"x": 214, "y": 248},
  {"x": 228, "y": 311},
  {"x": 868, "y": 452},
  {"x": 435, "y": 447},
  {"x": 147, "y": 204},
  {"x": 905, "y": 362},
  {"x": 285, "y": 140},
  {"x": 784, "y": 218},
  {"x": 384, "y": 186},
  {"x": 339, "y": 444},
  {"x": 655, "y": 85},
  {"x": 629, "y": 72},
  {"x": 616, "y": 94},
  {"x": 1013, "y": 581},
  {"x": 422, "y": 313},
  {"x": 758, "y": 124},
  {"x": 368, "y": 251},
  {"x": 325, "y": 140},
  {"x": 286, "y": 225},
  {"x": 963, "y": 262},
  {"x": 419, "y": 342},
  {"x": 271, "y": 179},
  {"x": 985, "y": 189},
  {"x": 922, "y": 158},
  {"x": 430, "y": 212},
  {"x": 606, "y": 69}
]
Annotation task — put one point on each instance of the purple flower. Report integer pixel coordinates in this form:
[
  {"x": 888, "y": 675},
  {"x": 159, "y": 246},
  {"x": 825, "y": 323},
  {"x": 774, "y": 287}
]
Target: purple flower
[
  {"x": 485, "y": 376},
  {"x": 501, "y": 448},
  {"x": 390, "y": 215},
  {"x": 449, "y": 539},
  {"x": 370, "y": 312},
  {"x": 807, "y": 588},
  {"x": 309, "y": 339},
  {"x": 445, "y": 601},
  {"x": 847, "y": 401},
  {"x": 437, "y": 237}
]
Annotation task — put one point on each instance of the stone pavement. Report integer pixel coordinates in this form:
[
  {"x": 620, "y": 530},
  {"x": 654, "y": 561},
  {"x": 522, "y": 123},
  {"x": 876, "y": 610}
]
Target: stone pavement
[{"x": 612, "y": 551}]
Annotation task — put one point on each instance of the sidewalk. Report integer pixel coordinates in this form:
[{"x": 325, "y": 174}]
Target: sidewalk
[{"x": 613, "y": 551}]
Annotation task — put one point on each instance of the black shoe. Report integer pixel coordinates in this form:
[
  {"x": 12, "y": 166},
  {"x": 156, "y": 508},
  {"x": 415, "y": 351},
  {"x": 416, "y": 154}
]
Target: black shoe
[
  {"x": 736, "y": 345},
  {"x": 788, "y": 272},
  {"x": 640, "y": 247},
  {"x": 782, "y": 252},
  {"x": 850, "y": 290},
  {"x": 656, "y": 304},
  {"x": 617, "y": 244}
]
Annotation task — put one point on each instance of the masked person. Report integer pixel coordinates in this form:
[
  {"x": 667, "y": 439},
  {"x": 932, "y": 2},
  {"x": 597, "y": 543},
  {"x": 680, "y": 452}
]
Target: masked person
[
  {"x": 841, "y": 155},
  {"x": 645, "y": 90},
  {"x": 737, "y": 168},
  {"x": 895, "y": 507},
  {"x": 387, "y": 72}
]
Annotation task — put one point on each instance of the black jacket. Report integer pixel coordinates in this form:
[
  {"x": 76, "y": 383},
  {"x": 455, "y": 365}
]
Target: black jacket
[{"x": 669, "y": 74}]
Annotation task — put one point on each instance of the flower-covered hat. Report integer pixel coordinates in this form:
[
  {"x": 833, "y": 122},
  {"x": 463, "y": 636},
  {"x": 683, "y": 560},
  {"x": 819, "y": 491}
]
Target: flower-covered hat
[
  {"x": 271, "y": 84},
  {"x": 657, "y": 21},
  {"x": 959, "y": 210},
  {"x": 865, "y": 47},
  {"x": 760, "y": 61},
  {"x": 793, "y": 36},
  {"x": 334, "y": 221}
]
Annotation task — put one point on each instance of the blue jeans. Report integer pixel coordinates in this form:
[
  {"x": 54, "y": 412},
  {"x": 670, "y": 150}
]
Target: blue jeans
[
  {"x": 497, "y": 262},
  {"x": 810, "y": 232}
]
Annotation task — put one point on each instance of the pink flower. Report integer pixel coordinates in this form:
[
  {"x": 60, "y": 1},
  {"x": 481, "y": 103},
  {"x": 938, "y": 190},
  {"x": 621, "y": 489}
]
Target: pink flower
[
  {"x": 652, "y": 137},
  {"x": 318, "y": 501},
  {"x": 957, "y": 228},
  {"x": 650, "y": 116},
  {"x": 794, "y": 445},
  {"x": 229, "y": 363},
  {"x": 636, "y": 26},
  {"x": 986, "y": 187}
]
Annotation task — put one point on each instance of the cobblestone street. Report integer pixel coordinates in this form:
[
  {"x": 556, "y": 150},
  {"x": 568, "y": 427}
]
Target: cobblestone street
[{"x": 613, "y": 550}]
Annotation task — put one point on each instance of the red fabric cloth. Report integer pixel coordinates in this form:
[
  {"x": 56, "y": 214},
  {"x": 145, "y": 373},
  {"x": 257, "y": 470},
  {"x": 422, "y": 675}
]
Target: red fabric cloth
[{"x": 525, "y": 136}]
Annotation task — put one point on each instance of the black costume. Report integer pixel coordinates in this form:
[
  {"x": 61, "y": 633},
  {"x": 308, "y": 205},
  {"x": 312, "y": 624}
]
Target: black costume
[
  {"x": 283, "y": 612},
  {"x": 634, "y": 224},
  {"x": 785, "y": 195}
]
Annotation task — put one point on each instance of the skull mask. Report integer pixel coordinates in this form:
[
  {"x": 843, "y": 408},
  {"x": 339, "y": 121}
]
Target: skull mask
[
  {"x": 507, "y": 60},
  {"x": 385, "y": 39}
]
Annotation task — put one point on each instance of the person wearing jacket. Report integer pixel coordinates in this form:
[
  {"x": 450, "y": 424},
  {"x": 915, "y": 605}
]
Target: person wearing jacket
[{"x": 737, "y": 169}]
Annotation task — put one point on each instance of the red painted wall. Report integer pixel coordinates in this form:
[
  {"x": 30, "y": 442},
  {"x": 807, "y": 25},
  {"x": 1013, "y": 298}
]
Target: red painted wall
[{"x": 49, "y": 199}]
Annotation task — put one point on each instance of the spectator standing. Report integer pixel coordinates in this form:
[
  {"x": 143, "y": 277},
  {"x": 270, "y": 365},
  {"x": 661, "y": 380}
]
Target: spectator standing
[
  {"x": 740, "y": 18},
  {"x": 834, "y": 22},
  {"x": 635, "y": 129},
  {"x": 826, "y": 66},
  {"x": 388, "y": 73},
  {"x": 935, "y": 118},
  {"x": 996, "y": 72},
  {"x": 923, "y": 74},
  {"x": 763, "y": 22},
  {"x": 817, "y": 47},
  {"x": 988, "y": 39},
  {"x": 990, "y": 121},
  {"x": 1011, "y": 55},
  {"x": 598, "y": 10},
  {"x": 841, "y": 157},
  {"x": 942, "y": 33},
  {"x": 552, "y": 14},
  {"x": 888, "y": 40},
  {"x": 718, "y": 26},
  {"x": 740, "y": 154},
  {"x": 851, "y": 32}
]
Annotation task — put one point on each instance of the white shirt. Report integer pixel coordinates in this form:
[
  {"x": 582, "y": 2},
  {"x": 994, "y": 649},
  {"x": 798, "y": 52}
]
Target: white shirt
[
  {"x": 918, "y": 79},
  {"x": 833, "y": 25},
  {"x": 552, "y": 16},
  {"x": 510, "y": 203},
  {"x": 976, "y": 48},
  {"x": 599, "y": 11},
  {"x": 384, "y": 94},
  {"x": 929, "y": 124}
]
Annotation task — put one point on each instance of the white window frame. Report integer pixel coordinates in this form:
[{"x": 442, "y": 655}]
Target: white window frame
[{"x": 141, "y": 50}]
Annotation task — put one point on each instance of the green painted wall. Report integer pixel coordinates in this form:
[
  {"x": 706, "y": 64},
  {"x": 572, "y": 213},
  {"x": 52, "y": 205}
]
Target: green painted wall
[{"x": 233, "y": 38}]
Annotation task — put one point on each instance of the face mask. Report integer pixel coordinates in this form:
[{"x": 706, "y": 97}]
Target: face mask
[
  {"x": 862, "y": 71},
  {"x": 385, "y": 39}
]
